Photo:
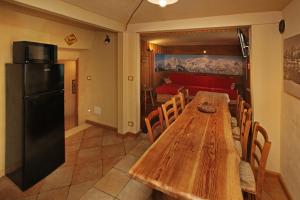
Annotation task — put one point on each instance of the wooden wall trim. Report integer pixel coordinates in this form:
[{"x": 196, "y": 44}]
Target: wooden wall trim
[
  {"x": 226, "y": 50},
  {"x": 2, "y": 173},
  {"x": 127, "y": 134},
  {"x": 101, "y": 125},
  {"x": 283, "y": 185}
]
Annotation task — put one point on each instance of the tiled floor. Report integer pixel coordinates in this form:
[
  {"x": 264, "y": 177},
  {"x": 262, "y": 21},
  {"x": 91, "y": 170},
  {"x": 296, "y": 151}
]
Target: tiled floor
[{"x": 97, "y": 164}]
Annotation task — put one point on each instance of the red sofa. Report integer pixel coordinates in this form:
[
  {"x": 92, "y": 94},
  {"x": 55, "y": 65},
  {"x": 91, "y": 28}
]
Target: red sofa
[{"x": 197, "y": 82}]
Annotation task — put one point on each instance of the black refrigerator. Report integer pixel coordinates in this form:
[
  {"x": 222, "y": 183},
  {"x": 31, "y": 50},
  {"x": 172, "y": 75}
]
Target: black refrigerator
[{"x": 35, "y": 141}]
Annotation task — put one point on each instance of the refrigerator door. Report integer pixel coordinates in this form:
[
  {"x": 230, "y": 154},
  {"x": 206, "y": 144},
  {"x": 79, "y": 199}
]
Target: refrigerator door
[
  {"x": 41, "y": 78},
  {"x": 44, "y": 135}
]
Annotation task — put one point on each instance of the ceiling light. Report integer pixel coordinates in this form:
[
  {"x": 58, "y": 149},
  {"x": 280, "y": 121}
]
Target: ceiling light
[{"x": 163, "y": 3}]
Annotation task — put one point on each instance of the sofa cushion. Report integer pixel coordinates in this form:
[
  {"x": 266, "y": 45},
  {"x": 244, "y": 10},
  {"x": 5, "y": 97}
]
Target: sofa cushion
[{"x": 197, "y": 82}]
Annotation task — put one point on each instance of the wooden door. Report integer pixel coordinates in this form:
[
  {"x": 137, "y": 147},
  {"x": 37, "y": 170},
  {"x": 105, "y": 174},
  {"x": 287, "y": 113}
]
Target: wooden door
[{"x": 71, "y": 85}]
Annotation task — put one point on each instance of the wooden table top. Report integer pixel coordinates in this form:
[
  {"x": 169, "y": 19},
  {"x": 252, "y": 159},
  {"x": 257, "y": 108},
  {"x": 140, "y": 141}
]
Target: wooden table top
[{"x": 195, "y": 157}]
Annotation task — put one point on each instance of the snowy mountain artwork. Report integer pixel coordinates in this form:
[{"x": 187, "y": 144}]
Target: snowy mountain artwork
[{"x": 208, "y": 64}]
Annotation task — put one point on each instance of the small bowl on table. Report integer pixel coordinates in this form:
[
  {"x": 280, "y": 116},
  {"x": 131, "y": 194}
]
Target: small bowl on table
[{"x": 206, "y": 108}]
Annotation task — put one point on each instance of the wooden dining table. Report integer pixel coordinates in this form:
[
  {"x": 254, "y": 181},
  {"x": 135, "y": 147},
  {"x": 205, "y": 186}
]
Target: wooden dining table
[{"x": 195, "y": 157}]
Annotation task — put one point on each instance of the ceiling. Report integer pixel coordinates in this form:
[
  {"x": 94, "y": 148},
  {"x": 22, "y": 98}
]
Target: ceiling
[
  {"x": 226, "y": 36},
  {"x": 121, "y": 10}
]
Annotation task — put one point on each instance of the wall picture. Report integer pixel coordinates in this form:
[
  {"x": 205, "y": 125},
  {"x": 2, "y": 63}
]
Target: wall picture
[
  {"x": 292, "y": 66},
  {"x": 208, "y": 64}
]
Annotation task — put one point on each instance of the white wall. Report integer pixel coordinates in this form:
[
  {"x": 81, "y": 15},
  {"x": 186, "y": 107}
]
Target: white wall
[
  {"x": 290, "y": 130},
  {"x": 266, "y": 84},
  {"x": 100, "y": 63}
]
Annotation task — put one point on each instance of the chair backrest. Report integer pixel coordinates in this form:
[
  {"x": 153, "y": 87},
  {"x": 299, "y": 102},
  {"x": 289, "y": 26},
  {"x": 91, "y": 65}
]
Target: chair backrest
[
  {"x": 240, "y": 112},
  {"x": 259, "y": 156},
  {"x": 186, "y": 95},
  {"x": 179, "y": 103},
  {"x": 170, "y": 112},
  {"x": 238, "y": 101},
  {"x": 245, "y": 129},
  {"x": 154, "y": 124}
]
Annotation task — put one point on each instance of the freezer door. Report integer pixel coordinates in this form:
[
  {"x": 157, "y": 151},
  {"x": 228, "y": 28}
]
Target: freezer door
[
  {"x": 41, "y": 78},
  {"x": 44, "y": 148}
]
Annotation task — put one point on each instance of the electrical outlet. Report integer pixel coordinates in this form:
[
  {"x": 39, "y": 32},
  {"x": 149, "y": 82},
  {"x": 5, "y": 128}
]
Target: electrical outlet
[
  {"x": 97, "y": 110},
  {"x": 131, "y": 124},
  {"x": 130, "y": 78}
]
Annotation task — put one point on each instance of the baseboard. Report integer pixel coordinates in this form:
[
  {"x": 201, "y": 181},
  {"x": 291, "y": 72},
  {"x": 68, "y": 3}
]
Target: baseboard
[
  {"x": 288, "y": 194},
  {"x": 101, "y": 125},
  {"x": 2, "y": 173},
  {"x": 283, "y": 185},
  {"x": 76, "y": 130},
  {"x": 131, "y": 134}
]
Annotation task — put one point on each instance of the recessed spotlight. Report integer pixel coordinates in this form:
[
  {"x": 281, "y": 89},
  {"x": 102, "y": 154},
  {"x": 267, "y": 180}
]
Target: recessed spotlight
[{"x": 204, "y": 51}]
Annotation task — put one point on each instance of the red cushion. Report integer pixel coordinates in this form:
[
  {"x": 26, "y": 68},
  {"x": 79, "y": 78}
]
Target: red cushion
[
  {"x": 196, "y": 82},
  {"x": 171, "y": 89}
]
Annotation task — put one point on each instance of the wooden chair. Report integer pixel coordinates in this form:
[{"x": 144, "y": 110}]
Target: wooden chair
[
  {"x": 241, "y": 140},
  {"x": 154, "y": 124},
  {"x": 235, "y": 120},
  {"x": 186, "y": 96},
  {"x": 252, "y": 174},
  {"x": 236, "y": 131},
  {"x": 170, "y": 111},
  {"x": 178, "y": 99}
]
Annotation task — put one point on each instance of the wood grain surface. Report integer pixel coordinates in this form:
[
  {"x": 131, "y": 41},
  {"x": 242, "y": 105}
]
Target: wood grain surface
[{"x": 195, "y": 157}]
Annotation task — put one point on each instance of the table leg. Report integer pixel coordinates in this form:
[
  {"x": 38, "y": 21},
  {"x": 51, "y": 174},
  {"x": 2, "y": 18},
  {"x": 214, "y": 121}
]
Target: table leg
[{"x": 145, "y": 101}]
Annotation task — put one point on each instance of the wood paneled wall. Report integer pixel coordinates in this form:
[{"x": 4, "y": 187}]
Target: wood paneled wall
[
  {"x": 228, "y": 50},
  {"x": 149, "y": 78}
]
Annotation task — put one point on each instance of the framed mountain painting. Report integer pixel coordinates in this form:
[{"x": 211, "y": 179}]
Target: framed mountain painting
[{"x": 291, "y": 66}]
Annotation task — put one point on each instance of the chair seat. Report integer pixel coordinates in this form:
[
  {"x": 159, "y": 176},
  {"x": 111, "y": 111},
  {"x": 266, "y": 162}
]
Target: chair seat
[
  {"x": 236, "y": 133},
  {"x": 234, "y": 122},
  {"x": 247, "y": 178},
  {"x": 157, "y": 132},
  {"x": 238, "y": 147}
]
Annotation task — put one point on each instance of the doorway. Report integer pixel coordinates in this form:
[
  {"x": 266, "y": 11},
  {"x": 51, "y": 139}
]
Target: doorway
[{"x": 71, "y": 93}]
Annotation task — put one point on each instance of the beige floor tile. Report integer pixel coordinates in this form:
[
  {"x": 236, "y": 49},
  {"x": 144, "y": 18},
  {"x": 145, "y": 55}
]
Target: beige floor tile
[
  {"x": 126, "y": 163},
  {"x": 88, "y": 155},
  {"x": 87, "y": 172},
  {"x": 111, "y": 139},
  {"x": 71, "y": 158},
  {"x": 61, "y": 177},
  {"x": 77, "y": 191},
  {"x": 94, "y": 194},
  {"x": 69, "y": 148},
  {"x": 130, "y": 143},
  {"x": 93, "y": 132},
  {"x": 34, "y": 197},
  {"x": 74, "y": 139},
  {"x": 140, "y": 148},
  {"x": 91, "y": 142},
  {"x": 57, "y": 194},
  {"x": 8, "y": 190},
  {"x": 135, "y": 191},
  {"x": 109, "y": 163},
  {"x": 113, "y": 182},
  {"x": 114, "y": 150},
  {"x": 107, "y": 132}
]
